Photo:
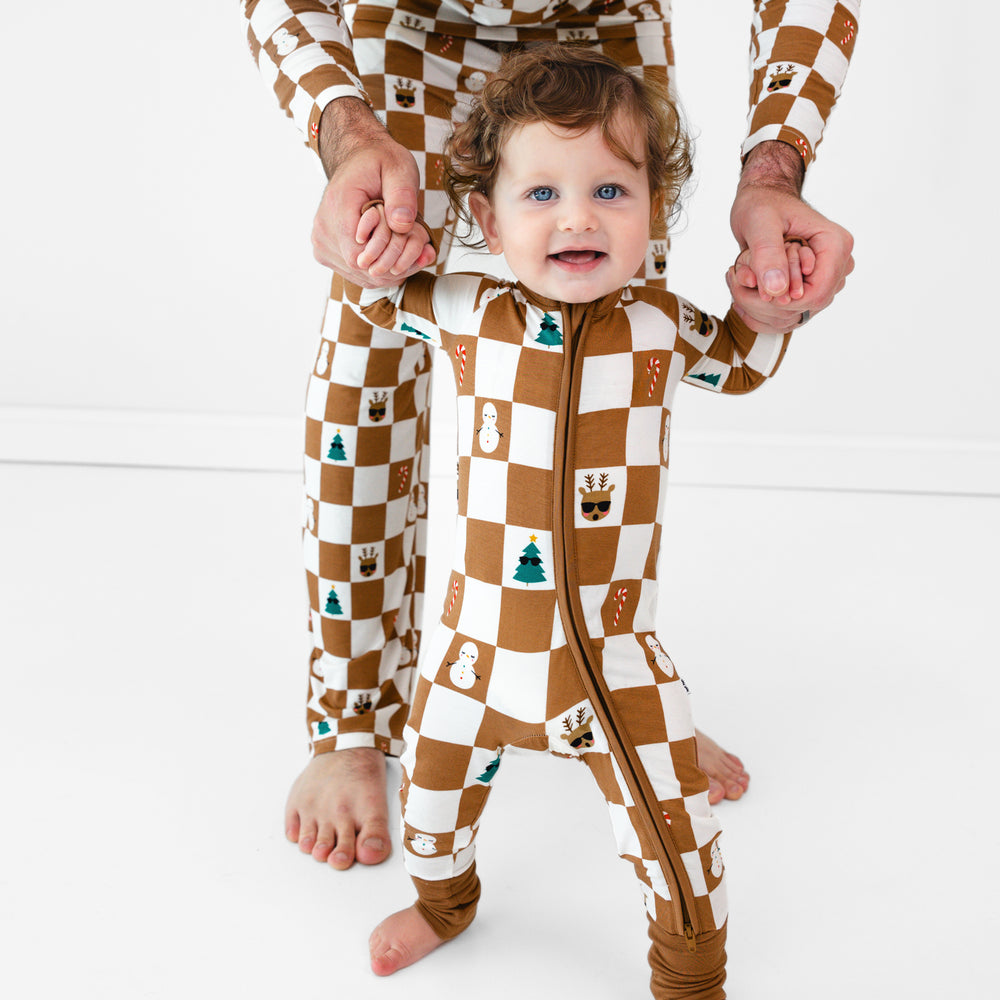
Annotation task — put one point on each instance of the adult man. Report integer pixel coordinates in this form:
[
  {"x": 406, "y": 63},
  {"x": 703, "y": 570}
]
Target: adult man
[{"x": 418, "y": 65}]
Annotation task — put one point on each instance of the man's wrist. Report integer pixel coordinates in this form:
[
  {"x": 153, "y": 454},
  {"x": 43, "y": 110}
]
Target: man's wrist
[
  {"x": 774, "y": 164},
  {"x": 346, "y": 124}
]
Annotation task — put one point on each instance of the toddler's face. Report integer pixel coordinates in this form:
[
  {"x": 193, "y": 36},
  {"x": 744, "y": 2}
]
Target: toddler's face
[{"x": 571, "y": 217}]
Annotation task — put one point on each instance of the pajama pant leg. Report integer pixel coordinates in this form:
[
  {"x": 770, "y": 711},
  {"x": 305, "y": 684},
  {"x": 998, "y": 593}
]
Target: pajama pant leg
[
  {"x": 367, "y": 424},
  {"x": 672, "y": 768},
  {"x": 462, "y": 720}
]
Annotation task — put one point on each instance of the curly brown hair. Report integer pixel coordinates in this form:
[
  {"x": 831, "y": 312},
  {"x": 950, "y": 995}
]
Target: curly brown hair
[{"x": 578, "y": 89}]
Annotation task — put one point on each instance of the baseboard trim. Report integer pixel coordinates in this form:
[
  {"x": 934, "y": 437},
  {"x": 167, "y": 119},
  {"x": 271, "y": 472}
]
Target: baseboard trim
[{"x": 272, "y": 444}]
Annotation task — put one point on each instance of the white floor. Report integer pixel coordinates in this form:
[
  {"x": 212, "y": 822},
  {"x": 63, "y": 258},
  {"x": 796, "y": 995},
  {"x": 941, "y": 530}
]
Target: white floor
[{"x": 151, "y": 635}]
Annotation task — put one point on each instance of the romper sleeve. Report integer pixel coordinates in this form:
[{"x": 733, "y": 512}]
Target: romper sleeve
[
  {"x": 427, "y": 307},
  {"x": 304, "y": 52},
  {"x": 725, "y": 355},
  {"x": 799, "y": 52}
]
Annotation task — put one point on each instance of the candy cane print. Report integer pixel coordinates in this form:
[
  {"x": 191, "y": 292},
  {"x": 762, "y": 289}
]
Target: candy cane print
[
  {"x": 454, "y": 597},
  {"x": 461, "y": 355},
  {"x": 850, "y": 32},
  {"x": 654, "y": 368},
  {"x": 404, "y": 475},
  {"x": 622, "y": 595}
]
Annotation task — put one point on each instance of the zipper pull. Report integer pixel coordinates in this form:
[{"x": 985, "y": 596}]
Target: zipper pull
[{"x": 689, "y": 937}]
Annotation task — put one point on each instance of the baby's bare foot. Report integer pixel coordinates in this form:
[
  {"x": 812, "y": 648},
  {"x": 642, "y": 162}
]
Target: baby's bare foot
[
  {"x": 401, "y": 940},
  {"x": 727, "y": 778},
  {"x": 337, "y": 809}
]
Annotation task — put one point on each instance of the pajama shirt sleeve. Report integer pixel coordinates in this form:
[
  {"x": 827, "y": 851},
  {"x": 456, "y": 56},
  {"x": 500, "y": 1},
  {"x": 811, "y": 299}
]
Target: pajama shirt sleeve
[
  {"x": 425, "y": 306},
  {"x": 799, "y": 51},
  {"x": 725, "y": 355},
  {"x": 304, "y": 52}
]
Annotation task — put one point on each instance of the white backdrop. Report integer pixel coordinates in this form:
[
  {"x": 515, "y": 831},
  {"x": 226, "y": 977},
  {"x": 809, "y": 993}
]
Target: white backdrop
[{"x": 160, "y": 304}]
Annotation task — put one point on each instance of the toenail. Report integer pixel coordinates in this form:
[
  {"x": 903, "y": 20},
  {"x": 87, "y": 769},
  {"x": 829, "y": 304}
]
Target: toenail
[
  {"x": 341, "y": 858},
  {"x": 375, "y": 844}
]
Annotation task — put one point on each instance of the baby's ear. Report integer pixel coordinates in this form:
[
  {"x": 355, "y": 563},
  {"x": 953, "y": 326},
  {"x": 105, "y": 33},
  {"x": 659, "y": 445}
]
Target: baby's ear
[{"x": 481, "y": 208}]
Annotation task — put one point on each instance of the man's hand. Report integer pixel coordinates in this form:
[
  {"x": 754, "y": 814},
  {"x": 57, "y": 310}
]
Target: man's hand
[
  {"x": 383, "y": 250},
  {"x": 768, "y": 211},
  {"x": 801, "y": 262},
  {"x": 364, "y": 163}
]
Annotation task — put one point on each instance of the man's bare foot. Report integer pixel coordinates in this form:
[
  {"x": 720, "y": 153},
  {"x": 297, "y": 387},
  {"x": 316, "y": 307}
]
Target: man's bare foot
[
  {"x": 727, "y": 778},
  {"x": 337, "y": 809},
  {"x": 401, "y": 940}
]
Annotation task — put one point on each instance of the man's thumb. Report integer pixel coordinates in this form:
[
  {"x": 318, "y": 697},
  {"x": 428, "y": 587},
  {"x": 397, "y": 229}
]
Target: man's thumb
[
  {"x": 769, "y": 262},
  {"x": 399, "y": 191}
]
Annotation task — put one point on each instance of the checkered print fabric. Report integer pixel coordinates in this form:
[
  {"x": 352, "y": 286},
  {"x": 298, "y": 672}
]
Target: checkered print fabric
[
  {"x": 420, "y": 66},
  {"x": 498, "y": 672},
  {"x": 799, "y": 53},
  {"x": 799, "y": 50},
  {"x": 367, "y": 418}
]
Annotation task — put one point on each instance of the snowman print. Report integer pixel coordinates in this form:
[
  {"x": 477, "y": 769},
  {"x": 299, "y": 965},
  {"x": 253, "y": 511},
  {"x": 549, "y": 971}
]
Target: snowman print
[
  {"x": 323, "y": 361},
  {"x": 463, "y": 673},
  {"x": 489, "y": 435},
  {"x": 660, "y": 658},
  {"x": 284, "y": 41},
  {"x": 423, "y": 843},
  {"x": 475, "y": 82},
  {"x": 717, "y": 866}
]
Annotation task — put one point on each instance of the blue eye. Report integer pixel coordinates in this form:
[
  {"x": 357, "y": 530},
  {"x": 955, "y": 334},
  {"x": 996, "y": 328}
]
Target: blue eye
[
  {"x": 608, "y": 191},
  {"x": 541, "y": 194}
]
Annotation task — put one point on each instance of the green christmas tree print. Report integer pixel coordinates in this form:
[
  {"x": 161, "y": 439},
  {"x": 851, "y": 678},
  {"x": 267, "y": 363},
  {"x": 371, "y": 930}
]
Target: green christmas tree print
[
  {"x": 336, "y": 451},
  {"x": 549, "y": 333},
  {"x": 333, "y": 603},
  {"x": 491, "y": 769},
  {"x": 406, "y": 328},
  {"x": 529, "y": 569},
  {"x": 322, "y": 728},
  {"x": 710, "y": 379}
]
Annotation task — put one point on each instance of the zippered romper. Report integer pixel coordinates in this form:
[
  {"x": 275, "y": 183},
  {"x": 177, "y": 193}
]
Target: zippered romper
[{"x": 547, "y": 635}]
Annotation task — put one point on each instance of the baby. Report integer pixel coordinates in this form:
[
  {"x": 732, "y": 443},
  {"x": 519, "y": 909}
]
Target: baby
[{"x": 565, "y": 381}]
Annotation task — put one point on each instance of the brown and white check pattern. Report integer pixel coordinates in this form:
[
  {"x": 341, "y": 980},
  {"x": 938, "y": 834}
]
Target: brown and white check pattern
[
  {"x": 420, "y": 66},
  {"x": 498, "y": 672},
  {"x": 799, "y": 54}
]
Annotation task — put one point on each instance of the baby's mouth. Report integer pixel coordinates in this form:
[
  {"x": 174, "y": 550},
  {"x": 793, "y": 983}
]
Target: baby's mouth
[{"x": 579, "y": 256}]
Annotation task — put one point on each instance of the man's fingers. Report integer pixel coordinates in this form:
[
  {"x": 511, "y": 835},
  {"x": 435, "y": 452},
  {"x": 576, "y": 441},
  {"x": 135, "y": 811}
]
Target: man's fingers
[{"x": 793, "y": 254}]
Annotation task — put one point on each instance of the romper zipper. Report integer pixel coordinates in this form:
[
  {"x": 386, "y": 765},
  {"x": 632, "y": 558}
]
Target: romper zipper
[{"x": 578, "y": 639}]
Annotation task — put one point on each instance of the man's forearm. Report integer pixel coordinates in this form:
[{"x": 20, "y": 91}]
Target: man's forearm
[
  {"x": 774, "y": 164},
  {"x": 346, "y": 124}
]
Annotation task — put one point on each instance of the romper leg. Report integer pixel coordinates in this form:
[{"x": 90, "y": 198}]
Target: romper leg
[
  {"x": 467, "y": 709},
  {"x": 446, "y": 783},
  {"x": 661, "y": 730}
]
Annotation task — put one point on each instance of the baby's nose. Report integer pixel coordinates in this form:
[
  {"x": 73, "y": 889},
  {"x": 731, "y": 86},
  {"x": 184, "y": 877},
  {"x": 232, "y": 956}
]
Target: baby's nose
[{"x": 578, "y": 216}]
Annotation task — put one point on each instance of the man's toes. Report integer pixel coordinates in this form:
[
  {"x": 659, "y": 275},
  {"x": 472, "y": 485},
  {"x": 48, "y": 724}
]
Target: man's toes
[
  {"x": 307, "y": 836},
  {"x": 734, "y": 790},
  {"x": 734, "y": 766},
  {"x": 292, "y": 826},
  {"x": 324, "y": 842},
  {"x": 373, "y": 844},
  {"x": 716, "y": 792},
  {"x": 342, "y": 855}
]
